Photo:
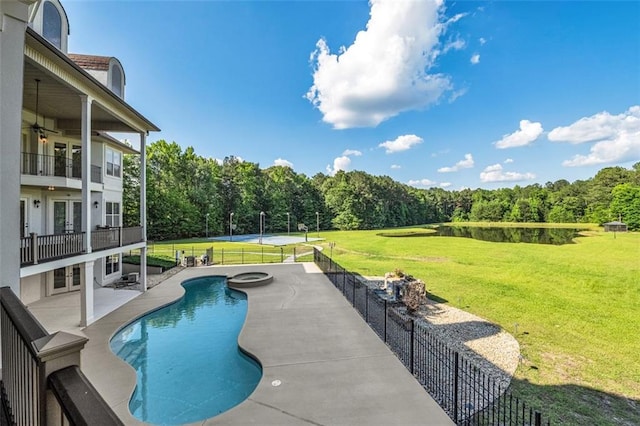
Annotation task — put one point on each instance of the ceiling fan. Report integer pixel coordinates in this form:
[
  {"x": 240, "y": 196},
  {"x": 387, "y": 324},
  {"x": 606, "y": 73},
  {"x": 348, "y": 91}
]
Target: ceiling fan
[{"x": 40, "y": 130}]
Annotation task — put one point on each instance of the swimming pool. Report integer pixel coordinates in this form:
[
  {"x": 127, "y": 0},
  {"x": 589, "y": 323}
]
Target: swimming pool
[{"x": 186, "y": 356}]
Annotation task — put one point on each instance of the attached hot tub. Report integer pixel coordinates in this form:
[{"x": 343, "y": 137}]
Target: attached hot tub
[{"x": 249, "y": 279}]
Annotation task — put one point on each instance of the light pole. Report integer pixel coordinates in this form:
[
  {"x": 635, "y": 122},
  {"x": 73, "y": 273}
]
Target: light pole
[
  {"x": 206, "y": 226},
  {"x": 288, "y": 224},
  {"x": 261, "y": 226},
  {"x": 318, "y": 224},
  {"x": 231, "y": 226}
]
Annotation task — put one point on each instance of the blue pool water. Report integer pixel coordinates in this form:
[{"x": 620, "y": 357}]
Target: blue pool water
[{"x": 186, "y": 356}]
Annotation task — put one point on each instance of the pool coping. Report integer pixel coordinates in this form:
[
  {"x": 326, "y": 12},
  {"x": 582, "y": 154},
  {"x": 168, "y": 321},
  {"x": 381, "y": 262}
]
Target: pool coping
[{"x": 330, "y": 366}]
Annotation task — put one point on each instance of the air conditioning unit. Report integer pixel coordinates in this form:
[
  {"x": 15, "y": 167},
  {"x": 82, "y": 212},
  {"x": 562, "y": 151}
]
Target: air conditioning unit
[{"x": 133, "y": 277}]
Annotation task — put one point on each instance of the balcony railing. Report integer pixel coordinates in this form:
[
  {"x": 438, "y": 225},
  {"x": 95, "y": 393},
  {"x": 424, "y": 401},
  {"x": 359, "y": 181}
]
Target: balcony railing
[
  {"x": 132, "y": 235},
  {"x": 33, "y": 364},
  {"x": 105, "y": 238},
  {"x": 36, "y": 248},
  {"x": 96, "y": 174},
  {"x": 56, "y": 165}
]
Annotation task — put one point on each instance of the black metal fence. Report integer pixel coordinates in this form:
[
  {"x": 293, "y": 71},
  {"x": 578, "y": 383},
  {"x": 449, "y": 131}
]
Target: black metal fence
[
  {"x": 239, "y": 256},
  {"x": 464, "y": 391}
]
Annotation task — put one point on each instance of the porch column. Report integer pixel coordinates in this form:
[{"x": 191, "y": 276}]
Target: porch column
[
  {"x": 86, "y": 294},
  {"x": 143, "y": 209},
  {"x": 85, "y": 136},
  {"x": 86, "y": 281},
  {"x": 13, "y": 23}
]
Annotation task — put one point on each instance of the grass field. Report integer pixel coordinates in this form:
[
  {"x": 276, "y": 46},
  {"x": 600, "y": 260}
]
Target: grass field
[{"x": 576, "y": 307}]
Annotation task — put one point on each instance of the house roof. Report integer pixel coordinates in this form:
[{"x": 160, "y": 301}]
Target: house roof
[{"x": 91, "y": 62}]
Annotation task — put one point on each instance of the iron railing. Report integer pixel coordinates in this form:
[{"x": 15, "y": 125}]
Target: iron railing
[
  {"x": 56, "y": 165},
  {"x": 464, "y": 391}
]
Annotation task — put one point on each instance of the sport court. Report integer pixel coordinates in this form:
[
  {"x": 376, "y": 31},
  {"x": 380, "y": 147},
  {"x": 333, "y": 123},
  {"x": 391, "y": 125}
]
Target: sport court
[{"x": 267, "y": 239}]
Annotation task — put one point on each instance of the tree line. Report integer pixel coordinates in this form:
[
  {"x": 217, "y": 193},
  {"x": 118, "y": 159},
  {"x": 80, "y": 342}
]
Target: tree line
[{"x": 189, "y": 195}]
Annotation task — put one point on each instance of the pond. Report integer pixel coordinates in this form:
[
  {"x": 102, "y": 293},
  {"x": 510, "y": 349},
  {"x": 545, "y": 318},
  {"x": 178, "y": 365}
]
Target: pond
[{"x": 555, "y": 236}]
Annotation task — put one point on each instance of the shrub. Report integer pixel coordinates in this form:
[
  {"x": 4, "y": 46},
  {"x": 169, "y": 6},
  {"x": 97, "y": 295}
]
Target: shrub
[{"x": 165, "y": 262}]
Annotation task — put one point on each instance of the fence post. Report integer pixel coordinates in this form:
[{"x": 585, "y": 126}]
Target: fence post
[
  {"x": 281, "y": 255},
  {"x": 455, "y": 386},
  {"x": 353, "y": 293},
  {"x": 538, "y": 419},
  {"x": 294, "y": 254},
  {"x": 385, "y": 320},
  {"x": 413, "y": 324},
  {"x": 222, "y": 257},
  {"x": 242, "y": 256},
  {"x": 262, "y": 251},
  {"x": 366, "y": 305},
  {"x": 344, "y": 282}
]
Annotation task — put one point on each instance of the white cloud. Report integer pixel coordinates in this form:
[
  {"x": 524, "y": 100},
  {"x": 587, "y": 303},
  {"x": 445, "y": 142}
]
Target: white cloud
[
  {"x": 353, "y": 152},
  {"x": 386, "y": 69},
  {"x": 467, "y": 163},
  {"x": 528, "y": 133},
  {"x": 283, "y": 162},
  {"x": 508, "y": 161},
  {"x": 445, "y": 184},
  {"x": 339, "y": 163},
  {"x": 396, "y": 166},
  {"x": 494, "y": 173},
  {"x": 456, "y": 44},
  {"x": 401, "y": 143},
  {"x": 482, "y": 40},
  {"x": 617, "y": 137},
  {"x": 439, "y": 153},
  {"x": 455, "y": 94},
  {"x": 475, "y": 58},
  {"x": 421, "y": 182},
  {"x": 598, "y": 127},
  {"x": 625, "y": 147}
]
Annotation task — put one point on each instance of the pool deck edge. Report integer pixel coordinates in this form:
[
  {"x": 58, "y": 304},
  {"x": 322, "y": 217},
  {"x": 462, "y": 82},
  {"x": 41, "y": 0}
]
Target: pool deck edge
[{"x": 329, "y": 367}]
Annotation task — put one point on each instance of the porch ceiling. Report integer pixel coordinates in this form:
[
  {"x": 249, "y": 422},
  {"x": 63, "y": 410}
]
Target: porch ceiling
[
  {"x": 62, "y": 102},
  {"x": 60, "y": 97}
]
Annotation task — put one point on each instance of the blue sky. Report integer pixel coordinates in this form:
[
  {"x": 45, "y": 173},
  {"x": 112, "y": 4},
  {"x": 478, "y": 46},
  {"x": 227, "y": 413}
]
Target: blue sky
[{"x": 433, "y": 94}]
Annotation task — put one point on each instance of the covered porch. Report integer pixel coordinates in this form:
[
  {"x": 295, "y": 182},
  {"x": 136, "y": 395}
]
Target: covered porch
[{"x": 61, "y": 312}]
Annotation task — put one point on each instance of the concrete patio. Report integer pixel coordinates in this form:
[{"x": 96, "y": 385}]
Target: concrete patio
[{"x": 332, "y": 367}]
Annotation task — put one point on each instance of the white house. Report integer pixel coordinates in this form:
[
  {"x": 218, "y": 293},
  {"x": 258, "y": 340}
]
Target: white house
[{"x": 61, "y": 171}]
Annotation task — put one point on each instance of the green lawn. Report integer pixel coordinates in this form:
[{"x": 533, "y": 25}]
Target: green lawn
[{"x": 576, "y": 306}]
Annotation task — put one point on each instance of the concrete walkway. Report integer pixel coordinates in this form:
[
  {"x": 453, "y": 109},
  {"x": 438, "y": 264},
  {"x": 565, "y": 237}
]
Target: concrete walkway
[{"x": 331, "y": 367}]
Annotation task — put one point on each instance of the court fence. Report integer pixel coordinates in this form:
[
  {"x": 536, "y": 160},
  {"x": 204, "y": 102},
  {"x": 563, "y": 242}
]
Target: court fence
[{"x": 240, "y": 256}]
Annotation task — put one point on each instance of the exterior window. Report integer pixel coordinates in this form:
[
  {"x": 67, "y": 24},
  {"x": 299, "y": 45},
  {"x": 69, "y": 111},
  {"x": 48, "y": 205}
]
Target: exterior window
[
  {"x": 112, "y": 264},
  {"x": 116, "y": 80},
  {"x": 114, "y": 161},
  {"x": 52, "y": 25},
  {"x": 113, "y": 214}
]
